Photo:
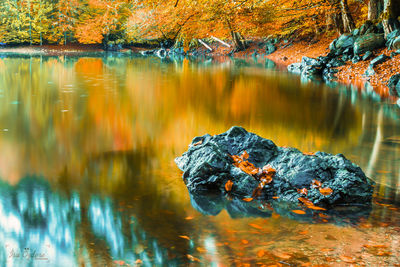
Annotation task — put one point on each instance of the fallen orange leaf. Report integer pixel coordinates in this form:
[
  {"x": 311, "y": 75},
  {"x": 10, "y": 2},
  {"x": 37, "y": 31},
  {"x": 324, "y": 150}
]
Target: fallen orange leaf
[
  {"x": 244, "y": 241},
  {"x": 184, "y": 237},
  {"x": 247, "y": 199},
  {"x": 260, "y": 253},
  {"x": 255, "y": 226},
  {"x": 316, "y": 183},
  {"x": 198, "y": 143},
  {"x": 275, "y": 197},
  {"x": 312, "y": 207},
  {"x": 305, "y": 201},
  {"x": 299, "y": 211},
  {"x": 189, "y": 218},
  {"x": 303, "y": 191},
  {"x": 347, "y": 259},
  {"x": 325, "y": 191},
  {"x": 245, "y": 155},
  {"x": 228, "y": 186},
  {"x": 201, "y": 250},
  {"x": 192, "y": 258}
]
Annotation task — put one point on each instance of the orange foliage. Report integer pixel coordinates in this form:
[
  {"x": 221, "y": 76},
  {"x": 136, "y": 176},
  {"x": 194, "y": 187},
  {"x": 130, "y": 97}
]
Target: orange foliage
[
  {"x": 228, "y": 185},
  {"x": 326, "y": 191}
]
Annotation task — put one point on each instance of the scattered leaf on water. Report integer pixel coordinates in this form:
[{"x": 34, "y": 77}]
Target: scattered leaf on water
[
  {"x": 244, "y": 241},
  {"x": 138, "y": 261},
  {"x": 228, "y": 186},
  {"x": 315, "y": 208},
  {"x": 323, "y": 216},
  {"x": 255, "y": 226},
  {"x": 299, "y": 211},
  {"x": 184, "y": 237},
  {"x": 303, "y": 232},
  {"x": 260, "y": 253},
  {"x": 306, "y": 201},
  {"x": 384, "y": 253},
  {"x": 325, "y": 191},
  {"x": 347, "y": 259},
  {"x": 189, "y": 218},
  {"x": 282, "y": 255},
  {"x": 275, "y": 197},
  {"x": 192, "y": 258},
  {"x": 201, "y": 250},
  {"x": 119, "y": 262},
  {"x": 247, "y": 199}
]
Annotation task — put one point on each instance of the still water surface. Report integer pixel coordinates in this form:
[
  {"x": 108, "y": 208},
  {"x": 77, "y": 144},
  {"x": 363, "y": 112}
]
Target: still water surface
[{"x": 88, "y": 178}]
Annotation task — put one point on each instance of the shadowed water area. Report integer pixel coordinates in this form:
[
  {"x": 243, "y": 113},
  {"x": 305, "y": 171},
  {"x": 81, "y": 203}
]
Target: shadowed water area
[{"x": 88, "y": 175}]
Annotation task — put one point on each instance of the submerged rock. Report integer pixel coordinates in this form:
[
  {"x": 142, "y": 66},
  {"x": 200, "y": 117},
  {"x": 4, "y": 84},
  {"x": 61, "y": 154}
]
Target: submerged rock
[{"x": 208, "y": 166}]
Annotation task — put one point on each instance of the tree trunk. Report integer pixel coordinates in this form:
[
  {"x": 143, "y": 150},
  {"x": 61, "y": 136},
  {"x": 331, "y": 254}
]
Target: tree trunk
[
  {"x": 348, "y": 22},
  {"x": 238, "y": 41},
  {"x": 236, "y": 37},
  {"x": 374, "y": 9},
  {"x": 338, "y": 22},
  {"x": 390, "y": 14}
]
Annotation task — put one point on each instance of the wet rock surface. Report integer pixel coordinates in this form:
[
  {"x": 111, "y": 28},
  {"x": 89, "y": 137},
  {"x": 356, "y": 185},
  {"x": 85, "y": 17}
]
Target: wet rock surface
[{"x": 208, "y": 166}]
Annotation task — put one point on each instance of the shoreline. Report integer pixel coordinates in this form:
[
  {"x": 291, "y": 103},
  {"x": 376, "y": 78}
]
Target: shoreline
[{"x": 285, "y": 54}]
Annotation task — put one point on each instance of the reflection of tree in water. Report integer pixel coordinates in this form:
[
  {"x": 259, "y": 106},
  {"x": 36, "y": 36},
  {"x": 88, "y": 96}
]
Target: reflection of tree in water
[{"x": 33, "y": 216}]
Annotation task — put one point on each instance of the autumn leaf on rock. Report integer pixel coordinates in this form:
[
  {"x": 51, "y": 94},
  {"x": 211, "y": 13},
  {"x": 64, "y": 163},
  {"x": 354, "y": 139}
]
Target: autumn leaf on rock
[
  {"x": 198, "y": 143},
  {"x": 303, "y": 191},
  {"x": 326, "y": 191},
  {"x": 316, "y": 184},
  {"x": 299, "y": 211},
  {"x": 247, "y": 199},
  {"x": 184, "y": 237},
  {"x": 228, "y": 186},
  {"x": 244, "y": 155}
]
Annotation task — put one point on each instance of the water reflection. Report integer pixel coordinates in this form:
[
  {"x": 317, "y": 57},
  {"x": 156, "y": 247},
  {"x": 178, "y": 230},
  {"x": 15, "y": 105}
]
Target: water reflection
[
  {"x": 213, "y": 204},
  {"x": 41, "y": 227},
  {"x": 103, "y": 132}
]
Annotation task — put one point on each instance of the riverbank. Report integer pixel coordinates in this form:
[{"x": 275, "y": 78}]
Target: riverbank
[{"x": 286, "y": 53}]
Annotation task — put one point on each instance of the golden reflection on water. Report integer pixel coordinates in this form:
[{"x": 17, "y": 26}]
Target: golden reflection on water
[{"x": 110, "y": 127}]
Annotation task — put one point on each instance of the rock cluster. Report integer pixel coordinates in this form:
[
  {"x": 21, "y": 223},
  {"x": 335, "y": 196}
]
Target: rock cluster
[{"x": 355, "y": 46}]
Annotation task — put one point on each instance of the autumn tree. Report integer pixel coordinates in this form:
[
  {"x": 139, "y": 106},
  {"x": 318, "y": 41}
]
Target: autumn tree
[
  {"x": 102, "y": 21},
  {"x": 65, "y": 17}
]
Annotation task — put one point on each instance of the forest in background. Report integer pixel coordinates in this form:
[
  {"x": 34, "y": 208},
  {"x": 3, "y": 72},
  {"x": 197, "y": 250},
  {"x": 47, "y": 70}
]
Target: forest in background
[{"x": 128, "y": 22}]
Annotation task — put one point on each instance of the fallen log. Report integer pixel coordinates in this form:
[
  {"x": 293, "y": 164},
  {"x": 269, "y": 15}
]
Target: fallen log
[
  {"x": 222, "y": 42},
  {"x": 205, "y": 45}
]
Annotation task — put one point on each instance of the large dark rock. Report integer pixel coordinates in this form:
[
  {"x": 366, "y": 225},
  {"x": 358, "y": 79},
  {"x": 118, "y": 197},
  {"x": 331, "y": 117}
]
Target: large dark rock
[
  {"x": 270, "y": 47},
  {"x": 392, "y": 39},
  {"x": 207, "y": 166},
  {"x": 368, "y": 42},
  {"x": 394, "y": 85},
  {"x": 308, "y": 67}
]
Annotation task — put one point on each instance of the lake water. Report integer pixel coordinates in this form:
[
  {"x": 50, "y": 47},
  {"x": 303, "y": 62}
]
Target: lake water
[{"x": 87, "y": 172}]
